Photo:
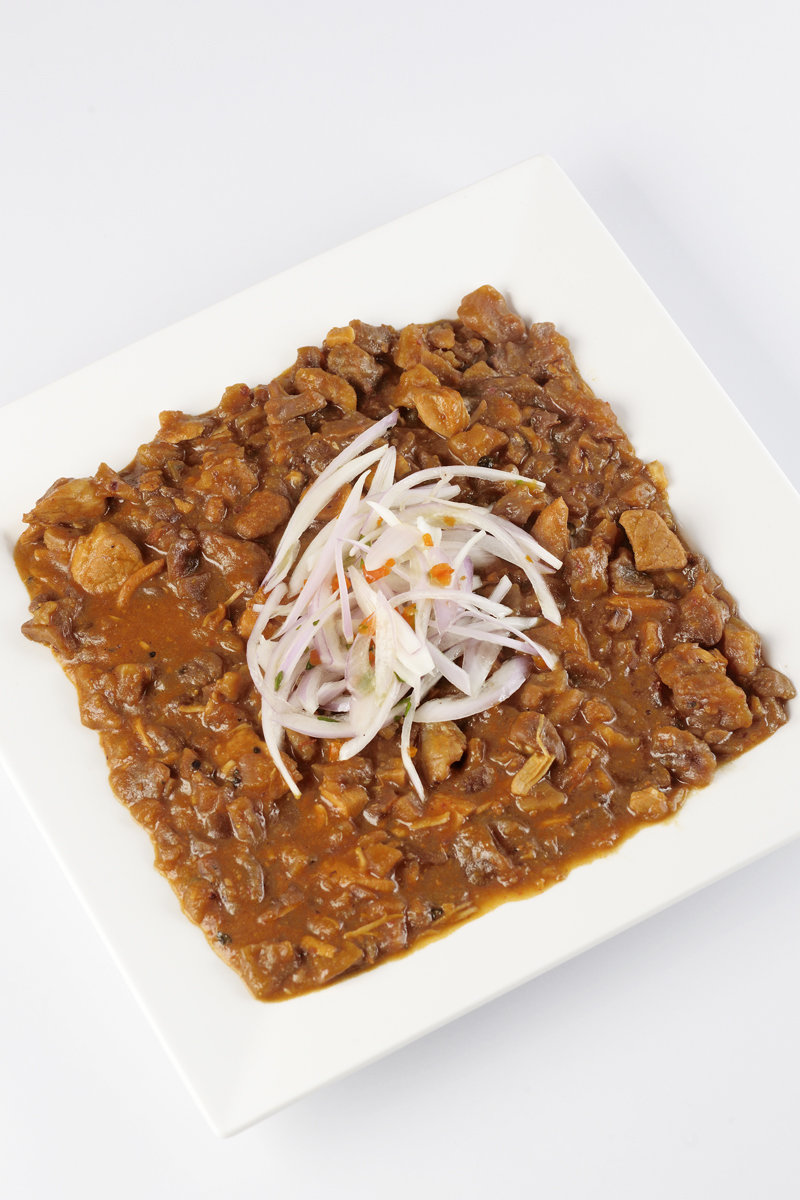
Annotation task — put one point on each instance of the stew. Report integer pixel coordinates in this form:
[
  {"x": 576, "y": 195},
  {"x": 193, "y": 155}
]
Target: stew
[{"x": 145, "y": 582}]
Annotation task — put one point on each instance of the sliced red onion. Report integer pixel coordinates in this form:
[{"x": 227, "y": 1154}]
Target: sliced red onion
[{"x": 366, "y": 630}]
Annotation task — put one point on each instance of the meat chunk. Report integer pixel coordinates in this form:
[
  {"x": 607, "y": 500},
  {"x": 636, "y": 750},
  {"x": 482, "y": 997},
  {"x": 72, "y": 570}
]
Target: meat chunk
[
  {"x": 688, "y": 758},
  {"x": 701, "y": 691},
  {"x": 518, "y": 505},
  {"x": 244, "y": 564},
  {"x": 243, "y": 759},
  {"x": 441, "y": 408},
  {"x": 103, "y": 560},
  {"x": 130, "y": 682},
  {"x": 702, "y": 616},
  {"x": 440, "y": 745},
  {"x": 648, "y": 802},
  {"x": 485, "y": 310},
  {"x": 480, "y": 857},
  {"x": 412, "y": 350},
  {"x": 70, "y": 502},
  {"x": 183, "y": 555},
  {"x": 586, "y": 571},
  {"x": 626, "y": 580},
  {"x": 535, "y": 734},
  {"x": 228, "y": 477},
  {"x": 741, "y": 645},
  {"x": 655, "y": 546},
  {"x": 262, "y": 514},
  {"x": 551, "y": 528},
  {"x": 282, "y": 408},
  {"x": 327, "y": 388},
  {"x": 476, "y": 443},
  {"x": 774, "y": 685},
  {"x": 179, "y": 427},
  {"x": 375, "y": 339},
  {"x": 356, "y": 366}
]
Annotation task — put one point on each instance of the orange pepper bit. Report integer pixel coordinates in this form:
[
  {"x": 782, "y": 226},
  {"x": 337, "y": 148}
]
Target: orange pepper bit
[
  {"x": 379, "y": 572},
  {"x": 450, "y": 521},
  {"x": 442, "y": 573},
  {"x": 367, "y": 626},
  {"x": 427, "y": 540},
  {"x": 314, "y": 658}
]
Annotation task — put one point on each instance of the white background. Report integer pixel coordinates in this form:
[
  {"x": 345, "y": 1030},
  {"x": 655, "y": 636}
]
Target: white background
[{"x": 158, "y": 157}]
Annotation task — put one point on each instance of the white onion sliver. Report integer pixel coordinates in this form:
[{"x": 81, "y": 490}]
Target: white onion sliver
[{"x": 382, "y": 604}]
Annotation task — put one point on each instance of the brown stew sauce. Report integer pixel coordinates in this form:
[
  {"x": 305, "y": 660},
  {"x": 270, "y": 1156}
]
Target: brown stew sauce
[{"x": 142, "y": 583}]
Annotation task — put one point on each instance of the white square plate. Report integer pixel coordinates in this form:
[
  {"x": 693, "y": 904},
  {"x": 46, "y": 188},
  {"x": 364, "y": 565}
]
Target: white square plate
[{"x": 529, "y": 233}]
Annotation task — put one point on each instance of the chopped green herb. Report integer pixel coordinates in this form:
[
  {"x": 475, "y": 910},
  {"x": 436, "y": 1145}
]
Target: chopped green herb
[
  {"x": 331, "y": 719},
  {"x": 278, "y": 680}
]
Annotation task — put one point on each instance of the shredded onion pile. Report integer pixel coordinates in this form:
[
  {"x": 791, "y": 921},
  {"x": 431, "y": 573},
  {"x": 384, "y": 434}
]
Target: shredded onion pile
[{"x": 383, "y": 604}]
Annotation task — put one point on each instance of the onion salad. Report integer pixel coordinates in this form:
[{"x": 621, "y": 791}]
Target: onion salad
[{"x": 385, "y": 602}]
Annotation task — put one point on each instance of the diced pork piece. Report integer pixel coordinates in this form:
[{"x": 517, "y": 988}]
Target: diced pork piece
[
  {"x": 701, "y": 691},
  {"x": 773, "y": 685},
  {"x": 356, "y": 366},
  {"x": 518, "y": 505},
  {"x": 412, "y": 350},
  {"x": 625, "y": 579},
  {"x": 243, "y": 759},
  {"x": 486, "y": 311},
  {"x": 229, "y": 478},
  {"x": 702, "y": 616},
  {"x": 655, "y": 470},
  {"x": 349, "y": 771},
  {"x": 70, "y": 502},
  {"x": 648, "y": 802},
  {"x": 586, "y": 571},
  {"x": 329, "y": 388},
  {"x": 480, "y": 856},
  {"x": 179, "y": 427},
  {"x": 348, "y": 801},
  {"x": 303, "y": 747},
  {"x": 283, "y": 408},
  {"x": 535, "y": 734},
  {"x": 741, "y": 645},
  {"x": 382, "y": 858},
  {"x": 244, "y": 564},
  {"x": 236, "y": 398},
  {"x": 131, "y": 680},
  {"x": 551, "y": 528},
  {"x": 441, "y": 743},
  {"x": 655, "y": 546},
  {"x": 103, "y": 560},
  {"x": 183, "y": 555},
  {"x": 476, "y": 443},
  {"x": 340, "y": 335},
  {"x": 688, "y": 758},
  {"x": 375, "y": 339},
  {"x": 262, "y": 514},
  {"x": 442, "y": 409}
]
